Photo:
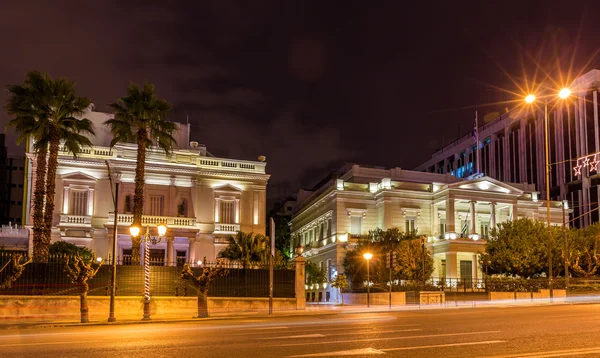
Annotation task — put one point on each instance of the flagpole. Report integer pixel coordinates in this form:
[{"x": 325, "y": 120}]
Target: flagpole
[{"x": 477, "y": 142}]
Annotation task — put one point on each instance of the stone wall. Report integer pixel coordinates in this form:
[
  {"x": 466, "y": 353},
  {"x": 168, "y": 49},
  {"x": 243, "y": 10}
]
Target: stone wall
[
  {"x": 376, "y": 298},
  {"x": 67, "y": 307},
  {"x": 542, "y": 294}
]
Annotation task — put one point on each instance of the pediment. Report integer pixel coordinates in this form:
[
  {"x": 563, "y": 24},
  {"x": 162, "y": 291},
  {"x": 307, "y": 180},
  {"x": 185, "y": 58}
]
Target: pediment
[
  {"x": 227, "y": 188},
  {"x": 486, "y": 184},
  {"x": 78, "y": 176}
]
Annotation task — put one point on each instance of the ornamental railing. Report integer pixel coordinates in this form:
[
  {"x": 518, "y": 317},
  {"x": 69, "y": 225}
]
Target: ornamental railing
[{"x": 150, "y": 220}]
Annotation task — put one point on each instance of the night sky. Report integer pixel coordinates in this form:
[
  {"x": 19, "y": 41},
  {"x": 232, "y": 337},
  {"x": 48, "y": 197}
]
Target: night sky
[{"x": 308, "y": 84}]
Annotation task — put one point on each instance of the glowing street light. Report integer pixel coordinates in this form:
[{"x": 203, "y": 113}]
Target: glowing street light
[
  {"x": 368, "y": 256},
  {"x": 530, "y": 98},
  {"x": 562, "y": 94},
  {"x": 135, "y": 230}
]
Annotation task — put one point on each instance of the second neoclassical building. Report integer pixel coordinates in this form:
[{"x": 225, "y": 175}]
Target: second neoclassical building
[
  {"x": 202, "y": 198},
  {"x": 455, "y": 215}
]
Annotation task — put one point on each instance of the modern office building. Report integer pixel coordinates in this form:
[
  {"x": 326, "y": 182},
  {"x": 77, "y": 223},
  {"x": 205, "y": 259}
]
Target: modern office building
[
  {"x": 512, "y": 149},
  {"x": 201, "y": 198},
  {"x": 454, "y": 214}
]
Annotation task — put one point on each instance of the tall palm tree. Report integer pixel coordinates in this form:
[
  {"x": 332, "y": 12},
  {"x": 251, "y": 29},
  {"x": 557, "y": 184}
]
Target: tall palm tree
[
  {"x": 140, "y": 117},
  {"x": 45, "y": 110},
  {"x": 246, "y": 248}
]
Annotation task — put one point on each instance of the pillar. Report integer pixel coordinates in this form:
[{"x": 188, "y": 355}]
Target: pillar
[
  {"x": 170, "y": 258},
  {"x": 451, "y": 265},
  {"x": 192, "y": 249},
  {"x": 217, "y": 210},
  {"x": 435, "y": 221},
  {"x": 514, "y": 212},
  {"x": 66, "y": 200},
  {"x": 473, "y": 217},
  {"x": 492, "y": 216},
  {"x": 90, "y": 201},
  {"x": 450, "y": 217},
  {"x": 300, "y": 262},
  {"x": 237, "y": 211},
  {"x": 475, "y": 273}
]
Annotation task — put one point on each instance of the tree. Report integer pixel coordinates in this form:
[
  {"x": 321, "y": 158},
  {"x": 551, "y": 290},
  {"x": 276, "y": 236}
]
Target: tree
[
  {"x": 18, "y": 265},
  {"x": 246, "y": 248},
  {"x": 80, "y": 270},
  {"x": 410, "y": 260},
  {"x": 46, "y": 110},
  {"x": 584, "y": 253},
  {"x": 140, "y": 117},
  {"x": 282, "y": 236},
  {"x": 520, "y": 248},
  {"x": 340, "y": 282},
  {"x": 202, "y": 283},
  {"x": 314, "y": 274},
  {"x": 64, "y": 248}
]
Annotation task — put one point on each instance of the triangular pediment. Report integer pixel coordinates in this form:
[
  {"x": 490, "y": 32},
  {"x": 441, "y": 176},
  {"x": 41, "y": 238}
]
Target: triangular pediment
[
  {"x": 227, "y": 188},
  {"x": 75, "y": 176},
  {"x": 486, "y": 184}
]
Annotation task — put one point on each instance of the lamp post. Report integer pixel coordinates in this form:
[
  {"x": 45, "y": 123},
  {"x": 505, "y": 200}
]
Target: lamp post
[
  {"x": 563, "y": 94},
  {"x": 135, "y": 231},
  {"x": 368, "y": 256},
  {"x": 565, "y": 205}
]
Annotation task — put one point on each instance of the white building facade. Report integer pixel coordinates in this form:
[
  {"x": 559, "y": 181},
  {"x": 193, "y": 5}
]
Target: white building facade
[
  {"x": 455, "y": 215},
  {"x": 512, "y": 149},
  {"x": 201, "y": 198}
]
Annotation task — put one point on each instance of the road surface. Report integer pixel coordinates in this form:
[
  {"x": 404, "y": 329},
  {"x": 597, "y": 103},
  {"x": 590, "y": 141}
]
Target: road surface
[{"x": 539, "y": 331}]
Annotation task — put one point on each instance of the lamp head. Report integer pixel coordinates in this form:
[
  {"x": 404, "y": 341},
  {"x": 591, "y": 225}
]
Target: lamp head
[
  {"x": 368, "y": 255},
  {"x": 564, "y": 93},
  {"x": 162, "y": 229},
  {"x": 134, "y": 230},
  {"x": 530, "y": 98}
]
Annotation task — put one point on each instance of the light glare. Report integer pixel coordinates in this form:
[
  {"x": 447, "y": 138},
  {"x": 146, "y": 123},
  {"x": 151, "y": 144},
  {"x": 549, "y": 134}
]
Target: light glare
[
  {"x": 564, "y": 93},
  {"x": 530, "y": 98},
  {"x": 368, "y": 255}
]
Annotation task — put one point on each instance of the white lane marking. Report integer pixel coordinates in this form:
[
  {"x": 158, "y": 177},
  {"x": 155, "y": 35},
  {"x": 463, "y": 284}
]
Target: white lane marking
[
  {"x": 558, "y": 353},
  {"x": 340, "y": 334},
  {"x": 352, "y": 352},
  {"x": 440, "y": 346},
  {"x": 46, "y": 343},
  {"x": 334, "y": 328},
  {"x": 388, "y": 338}
]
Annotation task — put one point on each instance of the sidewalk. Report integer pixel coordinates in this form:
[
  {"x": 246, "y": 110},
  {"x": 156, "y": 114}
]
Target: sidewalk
[{"x": 311, "y": 309}]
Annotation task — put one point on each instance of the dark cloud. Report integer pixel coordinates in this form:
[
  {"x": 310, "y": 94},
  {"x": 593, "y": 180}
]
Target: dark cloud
[{"x": 308, "y": 83}]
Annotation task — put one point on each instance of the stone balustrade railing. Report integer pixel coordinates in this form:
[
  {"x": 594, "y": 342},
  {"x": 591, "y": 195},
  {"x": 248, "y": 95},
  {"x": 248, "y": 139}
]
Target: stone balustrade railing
[
  {"x": 75, "y": 219},
  {"x": 148, "y": 220},
  {"x": 221, "y": 228}
]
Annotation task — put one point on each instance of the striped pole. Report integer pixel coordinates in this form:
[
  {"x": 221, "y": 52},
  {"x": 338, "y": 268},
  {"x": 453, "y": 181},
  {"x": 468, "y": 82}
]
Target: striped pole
[{"x": 146, "y": 276}]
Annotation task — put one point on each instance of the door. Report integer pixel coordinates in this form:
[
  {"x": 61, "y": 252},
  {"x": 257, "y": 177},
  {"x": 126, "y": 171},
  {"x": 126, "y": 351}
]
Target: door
[{"x": 466, "y": 274}]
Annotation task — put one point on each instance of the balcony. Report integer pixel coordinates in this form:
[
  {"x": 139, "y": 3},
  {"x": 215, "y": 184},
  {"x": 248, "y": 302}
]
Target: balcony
[
  {"x": 75, "y": 220},
  {"x": 226, "y": 229},
  {"x": 148, "y": 220}
]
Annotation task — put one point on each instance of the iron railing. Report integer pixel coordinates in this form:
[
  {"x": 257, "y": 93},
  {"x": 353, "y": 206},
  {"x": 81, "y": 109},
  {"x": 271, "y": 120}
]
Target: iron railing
[{"x": 50, "y": 279}]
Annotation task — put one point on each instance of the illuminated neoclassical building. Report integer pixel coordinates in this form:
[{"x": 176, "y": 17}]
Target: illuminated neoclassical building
[
  {"x": 201, "y": 198},
  {"x": 455, "y": 215}
]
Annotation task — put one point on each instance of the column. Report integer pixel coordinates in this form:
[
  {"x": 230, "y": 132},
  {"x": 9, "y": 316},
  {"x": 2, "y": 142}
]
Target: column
[
  {"x": 66, "y": 200},
  {"x": 450, "y": 226},
  {"x": 514, "y": 212},
  {"x": 435, "y": 230},
  {"x": 170, "y": 258},
  {"x": 451, "y": 265},
  {"x": 492, "y": 216},
  {"x": 90, "y": 201},
  {"x": 217, "y": 210},
  {"x": 473, "y": 217},
  {"x": 191, "y": 250},
  {"x": 475, "y": 273},
  {"x": 237, "y": 211}
]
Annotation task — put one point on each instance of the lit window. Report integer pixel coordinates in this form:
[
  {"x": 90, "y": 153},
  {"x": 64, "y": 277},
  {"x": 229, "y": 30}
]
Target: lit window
[
  {"x": 157, "y": 204},
  {"x": 227, "y": 211},
  {"x": 79, "y": 202},
  {"x": 409, "y": 225},
  {"x": 356, "y": 225}
]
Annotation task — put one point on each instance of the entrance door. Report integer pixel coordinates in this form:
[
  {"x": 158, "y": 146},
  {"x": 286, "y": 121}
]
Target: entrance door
[{"x": 466, "y": 273}]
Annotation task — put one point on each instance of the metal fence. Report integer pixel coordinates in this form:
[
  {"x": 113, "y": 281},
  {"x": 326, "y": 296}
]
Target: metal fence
[{"x": 50, "y": 279}]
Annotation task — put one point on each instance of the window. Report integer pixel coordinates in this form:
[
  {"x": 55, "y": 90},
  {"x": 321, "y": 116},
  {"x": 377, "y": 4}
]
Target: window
[
  {"x": 326, "y": 228},
  {"x": 181, "y": 257},
  {"x": 157, "y": 204},
  {"x": 356, "y": 225},
  {"x": 227, "y": 211},
  {"x": 79, "y": 203},
  {"x": 442, "y": 226},
  {"x": 409, "y": 225},
  {"x": 485, "y": 229},
  {"x": 20, "y": 185}
]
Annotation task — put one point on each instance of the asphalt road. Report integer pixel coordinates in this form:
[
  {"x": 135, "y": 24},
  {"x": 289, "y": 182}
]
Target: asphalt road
[{"x": 539, "y": 331}]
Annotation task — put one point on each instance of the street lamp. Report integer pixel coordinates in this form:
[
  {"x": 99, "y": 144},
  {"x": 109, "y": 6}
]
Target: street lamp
[
  {"x": 368, "y": 256},
  {"x": 562, "y": 94},
  {"x": 135, "y": 231}
]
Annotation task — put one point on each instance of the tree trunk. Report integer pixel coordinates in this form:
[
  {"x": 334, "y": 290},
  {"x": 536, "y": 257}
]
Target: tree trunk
[
  {"x": 138, "y": 196},
  {"x": 202, "y": 303},
  {"x": 50, "y": 190},
  {"x": 83, "y": 306},
  {"x": 40, "y": 253}
]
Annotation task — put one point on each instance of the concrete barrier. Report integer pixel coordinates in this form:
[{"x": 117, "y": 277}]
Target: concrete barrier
[
  {"x": 376, "y": 298},
  {"x": 67, "y": 307},
  {"x": 558, "y": 294}
]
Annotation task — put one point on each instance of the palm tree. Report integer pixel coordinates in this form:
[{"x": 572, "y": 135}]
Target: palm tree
[
  {"x": 140, "y": 117},
  {"x": 46, "y": 110},
  {"x": 246, "y": 248}
]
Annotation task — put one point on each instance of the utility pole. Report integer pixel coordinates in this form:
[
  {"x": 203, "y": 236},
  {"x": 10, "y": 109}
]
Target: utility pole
[{"x": 564, "y": 204}]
